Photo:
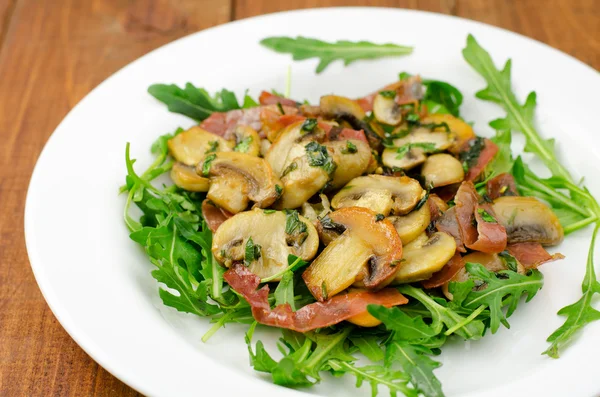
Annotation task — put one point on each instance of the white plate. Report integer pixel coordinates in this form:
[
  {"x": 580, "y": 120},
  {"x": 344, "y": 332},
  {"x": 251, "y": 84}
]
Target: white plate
[{"x": 97, "y": 281}]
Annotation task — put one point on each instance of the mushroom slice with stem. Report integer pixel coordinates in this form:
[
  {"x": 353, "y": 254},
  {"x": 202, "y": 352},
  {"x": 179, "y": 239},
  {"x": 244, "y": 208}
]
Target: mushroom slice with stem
[
  {"x": 409, "y": 150},
  {"x": 425, "y": 256},
  {"x": 385, "y": 108},
  {"x": 246, "y": 140},
  {"x": 263, "y": 240},
  {"x": 191, "y": 146},
  {"x": 352, "y": 158},
  {"x": 381, "y": 194},
  {"x": 238, "y": 178},
  {"x": 526, "y": 219},
  {"x": 410, "y": 226},
  {"x": 366, "y": 254},
  {"x": 348, "y": 110},
  {"x": 185, "y": 177},
  {"x": 442, "y": 169},
  {"x": 289, "y": 144}
]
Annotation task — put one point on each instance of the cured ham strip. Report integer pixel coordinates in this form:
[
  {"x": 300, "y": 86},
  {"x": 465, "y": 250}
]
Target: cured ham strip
[
  {"x": 531, "y": 255},
  {"x": 449, "y": 270},
  {"x": 448, "y": 223},
  {"x": 315, "y": 315},
  {"x": 266, "y": 98},
  {"x": 485, "y": 156},
  {"x": 476, "y": 232},
  {"x": 502, "y": 185},
  {"x": 223, "y": 123},
  {"x": 213, "y": 215}
]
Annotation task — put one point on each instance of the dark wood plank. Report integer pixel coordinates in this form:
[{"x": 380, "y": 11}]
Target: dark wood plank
[{"x": 54, "y": 53}]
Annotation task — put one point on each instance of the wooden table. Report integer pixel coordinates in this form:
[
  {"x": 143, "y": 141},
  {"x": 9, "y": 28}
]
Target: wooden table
[{"x": 53, "y": 52}]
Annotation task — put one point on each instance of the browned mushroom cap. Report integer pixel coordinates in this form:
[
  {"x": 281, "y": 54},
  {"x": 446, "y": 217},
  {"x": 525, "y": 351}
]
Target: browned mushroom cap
[
  {"x": 379, "y": 193},
  {"x": 266, "y": 237},
  {"x": 238, "y": 178},
  {"x": 192, "y": 146},
  {"x": 526, "y": 219},
  {"x": 348, "y": 110},
  {"x": 425, "y": 256},
  {"x": 368, "y": 253},
  {"x": 186, "y": 178}
]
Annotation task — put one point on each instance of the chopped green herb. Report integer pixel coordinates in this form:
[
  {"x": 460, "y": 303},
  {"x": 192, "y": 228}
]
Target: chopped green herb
[
  {"x": 486, "y": 216},
  {"x": 244, "y": 145},
  {"x": 252, "y": 252},
  {"x": 350, "y": 148},
  {"x": 309, "y": 125},
  {"x": 388, "y": 94},
  {"x": 426, "y": 147},
  {"x": 293, "y": 224},
  {"x": 207, "y": 163},
  {"x": 318, "y": 156},
  {"x": 213, "y": 146}
]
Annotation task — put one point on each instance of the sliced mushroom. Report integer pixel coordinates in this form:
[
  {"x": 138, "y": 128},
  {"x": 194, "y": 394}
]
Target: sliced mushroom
[
  {"x": 425, "y": 256},
  {"x": 352, "y": 158},
  {"x": 301, "y": 181},
  {"x": 408, "y": 151},
  {"x": 381, "y": 194},
  {"x": 386, "y": 110},
  {"x": 349, "y": 110},
  {"x": 191, "y": 146},
  {"x": 492, "y": 262},
  {"x": 367, "y": 253},
  {"x": 246, "y": 140},
  {"x": 410, "y": 226},
  {"x": 267, "y": 252},
  {"x": 287, "y": 146},
  {"x": 186, "y": 178},
  {"x": 237, "y": 178},
  {"x": 463, "y": 131},
  {"x": 442, "y": 169},
  {"x": 314, "y": 212},
  {"x": 526, "y": 219}
]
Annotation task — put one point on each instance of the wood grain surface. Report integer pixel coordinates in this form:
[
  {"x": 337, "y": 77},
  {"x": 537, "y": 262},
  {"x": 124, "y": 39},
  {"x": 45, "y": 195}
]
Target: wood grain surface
[{"x": 53, "y": 52}]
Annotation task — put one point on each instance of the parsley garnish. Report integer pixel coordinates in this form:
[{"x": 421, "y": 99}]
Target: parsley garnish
[
  {"x": 350, "y": 148},
  {"x": 427, "y": 147},
  {"x": 206, "y": 164},
  {"x": 388, "y": 94},
  {"x": 486, "y": 216},
  {"x": 318, "y": 156},
  {"x": 308, "y": 125},
  {"x": 213, "y": 146},
  {"x": 244, "y": 145},
  {"x": 252, "y": 252}
]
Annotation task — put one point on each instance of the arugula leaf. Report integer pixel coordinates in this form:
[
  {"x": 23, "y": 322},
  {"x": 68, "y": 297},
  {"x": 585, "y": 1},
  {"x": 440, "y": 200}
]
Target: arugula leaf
[
  {"x": 415, "y": 362},
  {"x": 303, "y": 48},
  {"x": 444, "y": 315},
  {"x": 577, "y": 210},
  {"x": 406, "y": 327},
  {"x": 502, "y": 289},
  {"x": 580, "y": 313},
  {"x": 194, "y": 102}
]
